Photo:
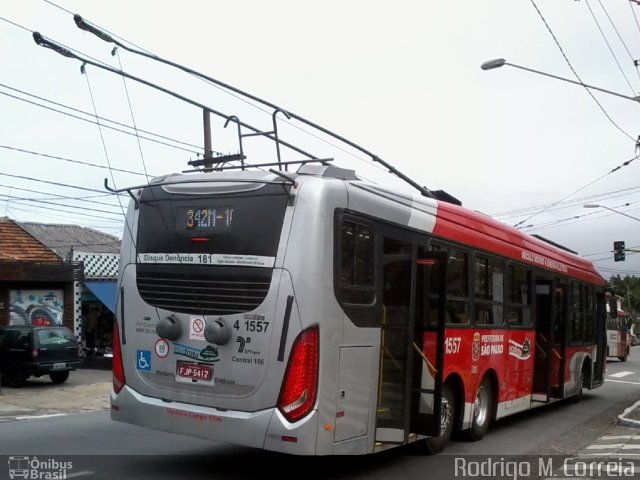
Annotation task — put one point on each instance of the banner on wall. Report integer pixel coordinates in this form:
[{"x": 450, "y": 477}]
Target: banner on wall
[{"x": 36, "y": 307}]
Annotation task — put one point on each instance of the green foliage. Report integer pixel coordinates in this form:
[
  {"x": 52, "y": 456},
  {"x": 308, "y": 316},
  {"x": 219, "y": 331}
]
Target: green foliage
[{"x": 629, "y": 288}]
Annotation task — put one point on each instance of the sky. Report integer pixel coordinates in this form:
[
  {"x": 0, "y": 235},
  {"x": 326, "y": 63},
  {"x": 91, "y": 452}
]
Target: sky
[{"x": 402, "y": 79}]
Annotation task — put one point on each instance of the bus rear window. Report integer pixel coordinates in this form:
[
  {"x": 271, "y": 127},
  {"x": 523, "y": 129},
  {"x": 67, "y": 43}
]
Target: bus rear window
[{"x": 247, "y": 223}]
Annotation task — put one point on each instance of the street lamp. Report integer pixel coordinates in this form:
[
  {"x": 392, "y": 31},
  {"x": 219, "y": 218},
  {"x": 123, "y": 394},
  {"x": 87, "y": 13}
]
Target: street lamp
[
  {"x": 499, "y": 62},
  {"x": 594, "y": 205}
]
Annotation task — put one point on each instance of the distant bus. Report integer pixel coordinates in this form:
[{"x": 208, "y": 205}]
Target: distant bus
[
  {"x": 315, "y": 313},
  {"x": 618, "y": 332}
]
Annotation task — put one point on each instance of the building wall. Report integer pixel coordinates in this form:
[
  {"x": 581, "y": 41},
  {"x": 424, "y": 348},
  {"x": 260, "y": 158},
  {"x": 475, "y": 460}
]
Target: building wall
[{"x": 26, "y": 275}]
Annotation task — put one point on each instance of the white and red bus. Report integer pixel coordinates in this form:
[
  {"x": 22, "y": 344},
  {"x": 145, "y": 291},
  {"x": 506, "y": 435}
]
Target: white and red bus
[
  {"x": 618, "y": 331},
  {"x": 316, "y": 313}
]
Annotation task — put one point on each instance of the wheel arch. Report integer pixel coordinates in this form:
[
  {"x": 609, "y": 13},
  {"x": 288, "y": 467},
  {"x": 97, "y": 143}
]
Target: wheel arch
[
  {"x": 492, "y": 376},
  {"x": 454, "y": 381}
]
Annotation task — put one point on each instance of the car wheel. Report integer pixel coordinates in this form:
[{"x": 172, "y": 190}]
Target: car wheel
[
  {"x": 447, "y": 417},
  {"x": 59, "y": 377},
  {"x": 482, "y": 411}
]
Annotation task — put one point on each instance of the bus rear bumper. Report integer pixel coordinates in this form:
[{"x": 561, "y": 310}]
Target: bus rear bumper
[{"x": 265, "y": 429}]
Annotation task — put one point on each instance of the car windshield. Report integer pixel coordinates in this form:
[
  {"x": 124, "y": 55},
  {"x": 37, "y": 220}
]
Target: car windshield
[{"x": 55, "y": 336}]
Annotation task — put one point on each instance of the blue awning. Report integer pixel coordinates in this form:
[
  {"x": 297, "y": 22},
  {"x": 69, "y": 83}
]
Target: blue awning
[{"x": 105, "y": 291}]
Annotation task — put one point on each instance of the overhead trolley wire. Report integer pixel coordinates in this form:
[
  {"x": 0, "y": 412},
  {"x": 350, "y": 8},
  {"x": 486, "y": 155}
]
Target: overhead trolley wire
[
  {"x": 94, "y": 121},
  {"x": 622, "y": 165},
  {"x": 39, "y": 200},
  {"x": 564, "y": 55},
  {"x": 620, "y": 36},
  {"x": 186, "y": 144},
  {"x": 55, "y": 157},
  {"x": 568, "y": 203},
  {"x": 604, "y": 37},
  {"x": 49, "y": 182}
]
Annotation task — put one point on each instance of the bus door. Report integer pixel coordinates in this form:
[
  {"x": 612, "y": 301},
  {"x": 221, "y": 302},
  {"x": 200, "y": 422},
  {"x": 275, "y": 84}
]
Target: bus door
[
  {"x": 548, "y": 377},
  {"x": 399, "y": 395},
  {"x": 428, "y": 344}
]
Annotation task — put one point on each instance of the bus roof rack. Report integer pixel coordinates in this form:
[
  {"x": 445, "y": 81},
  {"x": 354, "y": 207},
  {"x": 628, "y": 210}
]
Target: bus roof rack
[
  {"x": 551, "y": 242},
  {"x": 244, "y": 166}
]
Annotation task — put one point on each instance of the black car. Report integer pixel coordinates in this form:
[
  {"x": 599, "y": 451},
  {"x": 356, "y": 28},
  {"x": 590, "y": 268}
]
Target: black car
[{"x": 35, "y": 351}]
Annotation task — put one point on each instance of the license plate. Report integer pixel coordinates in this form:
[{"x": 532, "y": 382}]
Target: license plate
[
  {"x": 59, "y": 366},
  {"x": 194, "y": 371}
]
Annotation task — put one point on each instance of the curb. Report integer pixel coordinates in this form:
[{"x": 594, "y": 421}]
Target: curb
[{"x": 628, "y": 422}]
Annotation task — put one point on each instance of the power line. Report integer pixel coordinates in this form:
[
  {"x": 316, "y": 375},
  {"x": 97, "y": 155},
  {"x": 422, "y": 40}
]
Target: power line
[
  {"x": 568, "y": 203},
  {"x": 126, "y": 91},
  {"x": 13, "y": 198},
  {"x": 619, "y": 36},
  {"x": 31, "y": 205},
  {"x": 103, "y": 118},
  {"x": 554, "y": 223},
  {"x": 55, "y": 157},
  {"x": 66, "y": 185},
  {"x": 94, "y": 122},
  {"x": 576, "y": 73},
  {"x": 604, "y": 37},
  {"x": 622, "y": 165},
  {"x": 62, "y": 197}
]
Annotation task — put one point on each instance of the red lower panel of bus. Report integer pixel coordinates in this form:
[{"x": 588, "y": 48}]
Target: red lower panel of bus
[{"x": 513, "y": 355}]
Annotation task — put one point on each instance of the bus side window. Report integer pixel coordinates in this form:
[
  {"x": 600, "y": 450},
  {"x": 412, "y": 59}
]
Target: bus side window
[
  {"x": 457, "y": 306},
  {"x": 356, "y": 277},
  {"x": 518, "y": 296},
  {"x": 488, "y": 290}
]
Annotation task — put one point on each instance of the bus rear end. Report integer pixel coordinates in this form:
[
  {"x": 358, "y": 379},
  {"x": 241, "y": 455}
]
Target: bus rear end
[{"x": 208, "y": 341}]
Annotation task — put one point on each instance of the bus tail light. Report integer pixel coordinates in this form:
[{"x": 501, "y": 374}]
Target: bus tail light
[
  {"x": 118, "y": 368},
  {"x": 300, "y": 385}
]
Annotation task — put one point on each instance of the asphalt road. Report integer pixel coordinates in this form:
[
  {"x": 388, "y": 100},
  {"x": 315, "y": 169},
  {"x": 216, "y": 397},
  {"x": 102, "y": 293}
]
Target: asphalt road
[{"x": 99, "y": 448}]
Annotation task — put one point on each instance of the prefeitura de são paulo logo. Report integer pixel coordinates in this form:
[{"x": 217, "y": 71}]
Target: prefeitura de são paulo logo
[{"x": 35, "y": 468}]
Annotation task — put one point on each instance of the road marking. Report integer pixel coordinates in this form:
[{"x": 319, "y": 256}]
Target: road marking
[
  {"x": 621, "y": 381},
  {"x": 34, "y": 417},
  {"x": 79, "y": 474},
  {"x": 620, "y": 437},
  {"x": 601, "y": 447},
  {"x": 621, "y": 374}
]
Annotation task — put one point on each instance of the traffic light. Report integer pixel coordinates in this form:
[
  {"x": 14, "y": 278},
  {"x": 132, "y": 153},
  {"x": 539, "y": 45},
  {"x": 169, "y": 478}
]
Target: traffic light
[{"x": 618, "y": 251}]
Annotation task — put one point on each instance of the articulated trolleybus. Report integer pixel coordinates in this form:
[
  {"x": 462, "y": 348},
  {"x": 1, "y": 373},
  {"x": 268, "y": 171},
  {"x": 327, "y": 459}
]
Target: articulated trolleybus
[{"x": 315, "y": 313}]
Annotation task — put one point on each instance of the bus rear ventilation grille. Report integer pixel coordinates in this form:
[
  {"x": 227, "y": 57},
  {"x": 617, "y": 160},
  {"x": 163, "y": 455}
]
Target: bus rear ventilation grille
[{"x": 200, "y": 294}]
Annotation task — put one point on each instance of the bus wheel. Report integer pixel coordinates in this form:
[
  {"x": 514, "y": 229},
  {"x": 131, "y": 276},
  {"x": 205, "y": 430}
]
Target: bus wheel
[
  {"x": 447, "y": 416},
  {"x": 482, "y": 411},
  {"x": 583, "y": 375}
]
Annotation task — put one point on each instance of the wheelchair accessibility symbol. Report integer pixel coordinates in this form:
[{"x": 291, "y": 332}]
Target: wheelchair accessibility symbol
[{"x": 143, "y": 360}]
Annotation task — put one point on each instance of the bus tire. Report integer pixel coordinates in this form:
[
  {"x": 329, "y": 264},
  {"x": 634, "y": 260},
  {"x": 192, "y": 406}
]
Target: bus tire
[
  {"x": 482, "y": 411},
  {"x": 447, "y": 418},
  {"x": 583, "y": 375}
]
